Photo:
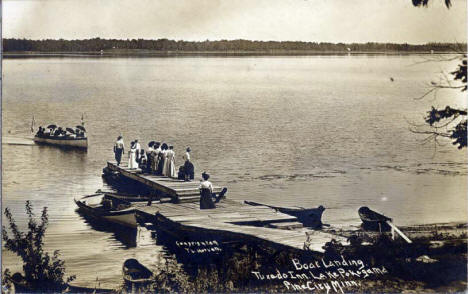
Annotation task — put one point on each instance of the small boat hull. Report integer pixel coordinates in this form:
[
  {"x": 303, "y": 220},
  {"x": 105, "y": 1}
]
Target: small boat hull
[
  {"x": 309, "y": 217},
  {"x": 65, "y": 142},
  {"x": 373, "y": 221},
  {"x": 129, "y": 198},
  {"x": 125, "y": 217},
  {"x": 135, "y": 273}
]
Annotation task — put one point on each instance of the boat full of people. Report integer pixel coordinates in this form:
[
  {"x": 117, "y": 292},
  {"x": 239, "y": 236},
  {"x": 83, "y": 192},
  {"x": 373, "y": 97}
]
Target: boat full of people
[{"x": 66, "y": 137}]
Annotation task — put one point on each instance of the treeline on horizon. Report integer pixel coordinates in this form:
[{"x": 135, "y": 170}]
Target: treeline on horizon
[{"x": 98, "y": 44}]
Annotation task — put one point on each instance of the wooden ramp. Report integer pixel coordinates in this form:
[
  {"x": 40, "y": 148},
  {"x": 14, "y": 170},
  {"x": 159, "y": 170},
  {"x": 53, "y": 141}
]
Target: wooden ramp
[
  {"x": 236, "y": 221},
  {"x": 174, "y": 188}
]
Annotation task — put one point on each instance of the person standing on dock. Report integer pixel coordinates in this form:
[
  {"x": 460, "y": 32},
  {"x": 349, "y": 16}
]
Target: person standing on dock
[
  {"x": 132, "y": 164},
  {"x": 143, "y": 162},
  {"x": 138, "y": 148},
  {"x": 188, "y": 166},
  {"x": 163, "y": 167},
  {"x": 118, "y": 149},
  {"x": 149, "y": 156},
  {"x": 156, "y": 158},
  {"x": 206, "y": 191},
  {"x": 170, "y": 158}
]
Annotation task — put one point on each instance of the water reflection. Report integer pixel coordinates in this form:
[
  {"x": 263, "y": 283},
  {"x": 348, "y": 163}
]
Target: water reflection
[{"x": 127, "y": 236}]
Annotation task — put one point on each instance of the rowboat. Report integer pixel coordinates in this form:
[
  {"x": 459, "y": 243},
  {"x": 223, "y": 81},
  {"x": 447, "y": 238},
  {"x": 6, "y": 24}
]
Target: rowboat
[
  {"x": 375, "y": 221},
  {"x": 136, "y": 274},
  {"x": 372, "y": 220},
  {"x": 309, "y": 217},
  {"x": 126, "y": 197},
  {"x": 109, "y": 209},
  {"x": 80, "y": 142}
]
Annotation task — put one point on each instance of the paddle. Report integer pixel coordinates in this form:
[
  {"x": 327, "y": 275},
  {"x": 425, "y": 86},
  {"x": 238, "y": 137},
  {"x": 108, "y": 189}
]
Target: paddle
[{"x": 395, "y": 228}]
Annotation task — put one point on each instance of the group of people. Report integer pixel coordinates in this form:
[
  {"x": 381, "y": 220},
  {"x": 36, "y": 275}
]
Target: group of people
[
  {"x": 158, "y": 159},
  {"x": 58, "y": 132}
]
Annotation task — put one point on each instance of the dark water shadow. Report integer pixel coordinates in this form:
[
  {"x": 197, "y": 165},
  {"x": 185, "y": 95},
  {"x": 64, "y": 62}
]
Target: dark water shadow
[
  {"x": 197, "y": 250},
  {"x": 124, "y": 185},
  {"x": 126, "y": 236},
  {"x": 63, "y": 148}
]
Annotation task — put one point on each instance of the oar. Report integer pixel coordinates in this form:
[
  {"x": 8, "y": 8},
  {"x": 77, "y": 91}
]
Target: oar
[{"x": 399, "y": 232}]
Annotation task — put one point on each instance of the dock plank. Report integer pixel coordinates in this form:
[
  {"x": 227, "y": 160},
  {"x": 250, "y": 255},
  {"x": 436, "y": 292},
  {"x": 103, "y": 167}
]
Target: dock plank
[{"x": 172, "y": 187}]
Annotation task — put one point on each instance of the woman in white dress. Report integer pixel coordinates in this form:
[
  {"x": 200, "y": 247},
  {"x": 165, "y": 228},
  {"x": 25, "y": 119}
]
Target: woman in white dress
[
  {"x": 170, "y": 155},
  {"x": 132, "y": 164},
  {"x": 163, "y": 162}
]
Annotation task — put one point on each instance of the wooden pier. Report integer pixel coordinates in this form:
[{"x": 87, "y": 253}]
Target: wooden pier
[
  {"x": 230, "y": 220},
  {"x": 233, "y": 220},
  {"x": 178, "y": 190}
]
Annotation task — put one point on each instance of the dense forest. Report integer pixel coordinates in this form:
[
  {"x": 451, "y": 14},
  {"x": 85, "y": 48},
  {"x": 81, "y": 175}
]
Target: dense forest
[{"x": 97, "y": 44}]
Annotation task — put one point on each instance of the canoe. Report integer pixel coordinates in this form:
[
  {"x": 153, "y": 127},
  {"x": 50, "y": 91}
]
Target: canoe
[
  {"x": 372, "y": 220},
  {"x": 63, "y": 141},
  {"x": 134, "y": 273},
  {"x": 112, "y": 210},
  {"x": 309, "y": 217}
]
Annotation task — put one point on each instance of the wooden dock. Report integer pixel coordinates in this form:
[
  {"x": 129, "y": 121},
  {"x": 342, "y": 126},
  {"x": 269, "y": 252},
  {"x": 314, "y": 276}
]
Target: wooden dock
[
  {"x": 233, "y": 220},
  {"x": 230, "y": 220},
  {"x": 178, "y": 190}
]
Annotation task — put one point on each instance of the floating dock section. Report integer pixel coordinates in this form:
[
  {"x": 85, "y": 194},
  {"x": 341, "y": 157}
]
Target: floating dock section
[
  {"x": 230, "y": 220},
  {"x": 235, "y": 221}
]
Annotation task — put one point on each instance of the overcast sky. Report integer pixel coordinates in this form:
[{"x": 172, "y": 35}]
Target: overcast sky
[{"x": 305, "y": 20}]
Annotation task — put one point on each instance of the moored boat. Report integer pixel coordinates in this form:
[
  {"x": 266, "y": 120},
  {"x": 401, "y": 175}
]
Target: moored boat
[
  {"x": 136, "y": 274},
  {"x": 63, "y": 141},
  {"x": 372, "y": 220},
  {"x": 108, "y": 208}
]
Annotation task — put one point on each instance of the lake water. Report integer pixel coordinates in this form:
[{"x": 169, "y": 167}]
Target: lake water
[{"x": 303, "y": 131}]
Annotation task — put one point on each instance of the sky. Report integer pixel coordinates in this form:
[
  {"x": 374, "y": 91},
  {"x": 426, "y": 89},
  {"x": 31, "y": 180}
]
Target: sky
[{"x": 346, "y": 21}]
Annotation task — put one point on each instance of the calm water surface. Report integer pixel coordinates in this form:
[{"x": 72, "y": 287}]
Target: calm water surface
[{"x": 302, "y": 131}]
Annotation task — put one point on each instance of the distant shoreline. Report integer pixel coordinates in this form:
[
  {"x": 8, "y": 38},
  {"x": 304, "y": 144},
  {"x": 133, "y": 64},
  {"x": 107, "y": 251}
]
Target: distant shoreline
[{"x": 171, "y": 53}]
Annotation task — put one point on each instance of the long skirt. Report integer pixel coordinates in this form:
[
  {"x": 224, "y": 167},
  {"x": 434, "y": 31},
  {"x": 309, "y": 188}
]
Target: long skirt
[
  {"x": 189, "y": 170},
  {"x": 172, "y": 168},
  {"x": 160, "y": 166},
  {"x": 132, "y": 161},
  {"x": 149, "y": 162},
  {"x": 118, "y": 155},
  {"x": 154, "y": 162},
  {"x": 143, "y": 164},
  {"x": 206, "y": 200},
  {"x": 166, "y": 167}
]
